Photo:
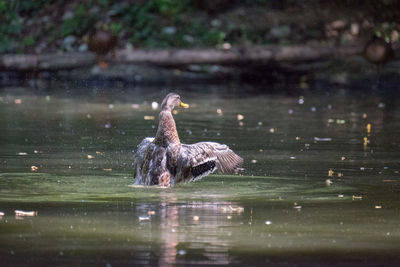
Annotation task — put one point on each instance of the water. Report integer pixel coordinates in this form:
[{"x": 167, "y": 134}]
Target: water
[{"x": 315, "y": 191}]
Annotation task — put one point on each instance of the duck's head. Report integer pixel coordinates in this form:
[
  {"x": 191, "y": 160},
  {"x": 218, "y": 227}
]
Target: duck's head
[{"x": 171, "y": 101}]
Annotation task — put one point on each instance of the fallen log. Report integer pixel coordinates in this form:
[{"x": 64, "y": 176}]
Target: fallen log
[
  {"x": 56, "y": 61},
  {"x": 180, "y": 57},
  {"x": 251, "y": 55}
]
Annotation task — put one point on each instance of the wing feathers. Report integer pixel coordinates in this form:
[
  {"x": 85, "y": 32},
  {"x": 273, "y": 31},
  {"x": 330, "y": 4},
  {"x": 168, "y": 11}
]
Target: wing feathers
[
  {"x": 203, "y": 168},
  {"x": 193, "y": 162},
  {"x": 191, "y": 157}
]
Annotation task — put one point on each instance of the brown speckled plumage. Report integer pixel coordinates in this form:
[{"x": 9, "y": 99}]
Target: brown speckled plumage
[
  {"x": 164, "y": 161},
  {"x": 163, "y": 137}
]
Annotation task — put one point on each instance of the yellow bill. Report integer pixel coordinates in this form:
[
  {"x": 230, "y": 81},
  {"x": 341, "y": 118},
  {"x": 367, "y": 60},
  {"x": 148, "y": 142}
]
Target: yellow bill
[{"x": 184, "y": 105}]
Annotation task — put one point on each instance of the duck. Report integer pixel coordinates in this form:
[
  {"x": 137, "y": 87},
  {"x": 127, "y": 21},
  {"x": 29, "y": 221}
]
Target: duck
[
  {"x": 377, "y": 51},
  {"x": 102, "y": 42},
  {"x": 164, "y": 161}
]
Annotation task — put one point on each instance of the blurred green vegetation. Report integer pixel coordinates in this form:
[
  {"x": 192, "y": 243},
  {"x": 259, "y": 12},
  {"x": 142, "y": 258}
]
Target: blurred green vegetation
[{"x": 40, "y": 25}]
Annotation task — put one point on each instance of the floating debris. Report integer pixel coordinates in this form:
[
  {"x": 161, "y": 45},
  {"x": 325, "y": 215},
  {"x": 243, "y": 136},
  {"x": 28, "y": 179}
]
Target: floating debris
[
  {"x": 25, "y": 213},
  {"x": 340, "y": 174},
  {"x": 22, "y": 153},
  {"x": 149, "y": 118},
  {"x": 240, "y": 117},
  {"x": 322, "y": 139},
  {"x": 229, "y": 217},
  {"x": 2, "y": 213},
  {"x": 296, "y": 206},
  {"x": 364, "y": 115},
  {"x": 328, "y": 182},
  {"x": 151, "y": 212},
  {"x": 260, "y": 123},
  {"x": 135, "y": 106},
  {"x": 111, "y": 106},
  {"x": 290, "y": 111},
  {"x": 268, "y": 222},
  {"x": 313, "y": 109},
  {"x": 219, "y": 111},
  {"x": 378, "y": 206},
  {"x": 366, "y": 141},
  {"x": 292, "y": 157},
  {"x": 196, "y": 218},
  {"x": 362, "y": 168},
  {"x": 253, "y": 161},
  {"x": 369, "y": 128},
  {"x": 232, "y": 209},
  {"x": 90, "y": 157},
  {"x": 144, "y": 218},
  {"x": 330, "y": 173},
  {"x": 272, "y": 130},
  {"x": 331, "y": 120},
  {"x": 154, "y": 105},
  {"x": 108, "y": 170},
  {"x": 297, "y": 138},
  {"x": 339, "y": 121},
  {"x": 356, "y": 197},
  {"x": 241, "y": 123},
  {"x": 175, "y": 112},
  {"x": 107, "y": 125},
  {"x": 181, "y": 252},
  {"x": 238, "y": 209},
  {"x": 18, "y": 101},
  {"x": 340, "y": 195},
  {"x": 89, "y": 116},
  {"x": 34, "y": 168},
  {"x": 381, "y": 105},
  {"x": 343, "y": 158},
  {"x": 301, "y": 101}
]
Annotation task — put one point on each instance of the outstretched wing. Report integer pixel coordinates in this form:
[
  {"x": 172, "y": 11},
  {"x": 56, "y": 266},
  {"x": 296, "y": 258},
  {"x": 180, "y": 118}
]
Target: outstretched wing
[
  {"x": 141, "y": 161},
  {"x": 200, "y": 159}
]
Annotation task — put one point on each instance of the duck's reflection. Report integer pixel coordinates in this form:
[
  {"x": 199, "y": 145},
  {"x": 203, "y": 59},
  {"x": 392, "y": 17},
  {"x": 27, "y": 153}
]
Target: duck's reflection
[
  {"x": 193, "y": 233},
  {"x": 169, "y": 223}
]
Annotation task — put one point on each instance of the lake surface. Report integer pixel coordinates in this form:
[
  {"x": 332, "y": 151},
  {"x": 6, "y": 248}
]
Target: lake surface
[{"x": 321, "y": 187}]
